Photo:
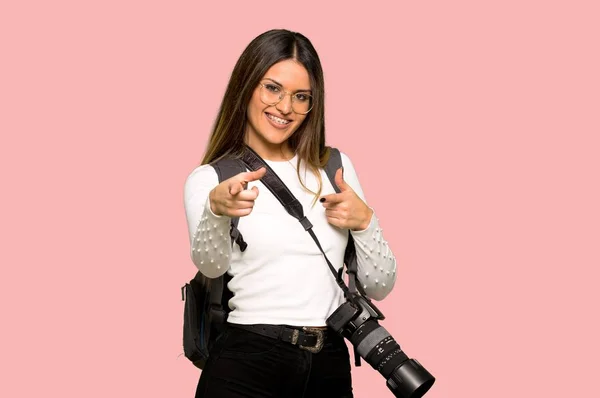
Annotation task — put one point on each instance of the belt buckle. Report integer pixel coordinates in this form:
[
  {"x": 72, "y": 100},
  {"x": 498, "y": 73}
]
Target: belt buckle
[{"x": 319, "y": 333}]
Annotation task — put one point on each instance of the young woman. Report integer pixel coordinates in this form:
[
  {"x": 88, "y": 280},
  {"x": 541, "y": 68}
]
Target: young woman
[{"x": 274, "y": 103}]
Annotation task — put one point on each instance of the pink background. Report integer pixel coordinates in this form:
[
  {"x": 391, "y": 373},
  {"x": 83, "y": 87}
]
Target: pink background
[{"x": 474, "y": 127}]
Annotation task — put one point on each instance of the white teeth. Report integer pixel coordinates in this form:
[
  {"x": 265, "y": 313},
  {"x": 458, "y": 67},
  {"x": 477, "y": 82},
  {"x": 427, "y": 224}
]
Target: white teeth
[{"x": 276, "y": 119}]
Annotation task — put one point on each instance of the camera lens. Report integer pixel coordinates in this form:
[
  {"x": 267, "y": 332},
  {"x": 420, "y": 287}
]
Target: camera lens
[
  {"x": 406, "y": 378},
  {"x": 374, "y": 343}
]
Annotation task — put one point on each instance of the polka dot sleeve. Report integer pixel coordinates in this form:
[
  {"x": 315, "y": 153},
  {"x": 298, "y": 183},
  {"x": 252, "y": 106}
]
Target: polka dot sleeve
[
  {"x": 376, "y": 262},
  {"x": 210, "y": 243}
]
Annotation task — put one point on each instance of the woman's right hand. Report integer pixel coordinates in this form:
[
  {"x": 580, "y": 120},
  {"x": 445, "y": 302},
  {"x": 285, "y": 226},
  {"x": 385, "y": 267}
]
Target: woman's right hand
[{"x": 230, "y": 198}]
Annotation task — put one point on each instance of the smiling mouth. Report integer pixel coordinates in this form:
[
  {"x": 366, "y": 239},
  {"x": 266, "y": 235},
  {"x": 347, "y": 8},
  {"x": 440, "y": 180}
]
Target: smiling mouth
[{"x": 279, "y": 121}]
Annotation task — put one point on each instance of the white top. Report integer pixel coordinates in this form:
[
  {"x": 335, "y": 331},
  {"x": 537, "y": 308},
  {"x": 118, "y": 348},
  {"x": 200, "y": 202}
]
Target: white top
[{"x": 282, "y": 277}]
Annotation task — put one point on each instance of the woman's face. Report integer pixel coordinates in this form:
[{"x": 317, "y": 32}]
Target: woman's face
[{"x": 265, "y": 129}]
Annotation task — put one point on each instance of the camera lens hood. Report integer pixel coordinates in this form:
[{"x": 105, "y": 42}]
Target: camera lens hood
[{"x": 410, "y": 380}]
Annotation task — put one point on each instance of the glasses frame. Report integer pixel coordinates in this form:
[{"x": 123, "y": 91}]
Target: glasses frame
[{"x": 282, "y": 96}]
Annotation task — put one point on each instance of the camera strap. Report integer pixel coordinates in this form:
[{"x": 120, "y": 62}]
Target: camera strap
[{"x": 272, "y": 181}]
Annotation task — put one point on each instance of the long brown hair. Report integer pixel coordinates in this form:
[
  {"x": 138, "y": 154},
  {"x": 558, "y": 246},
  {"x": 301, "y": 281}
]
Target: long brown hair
[{"x": 308, "y": 141}]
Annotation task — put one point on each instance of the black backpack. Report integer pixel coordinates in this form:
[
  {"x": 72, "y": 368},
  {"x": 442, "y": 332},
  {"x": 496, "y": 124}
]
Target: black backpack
[{"x": 206, "y": 299}]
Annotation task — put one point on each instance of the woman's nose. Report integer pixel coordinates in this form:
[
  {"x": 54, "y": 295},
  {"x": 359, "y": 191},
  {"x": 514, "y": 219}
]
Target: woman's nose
[{"x": 285, "y": 105}]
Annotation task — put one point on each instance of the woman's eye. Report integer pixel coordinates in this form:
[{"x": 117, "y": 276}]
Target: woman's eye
[
  {"x": 302, "y": 97},
  {"x": 272, "y": 88}
]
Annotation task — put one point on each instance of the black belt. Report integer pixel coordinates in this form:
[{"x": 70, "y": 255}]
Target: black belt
[{"x": 306, "y": 338}]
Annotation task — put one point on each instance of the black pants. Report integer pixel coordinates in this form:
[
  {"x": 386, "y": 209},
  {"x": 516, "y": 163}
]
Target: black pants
[{"x": 246, "y": 364}]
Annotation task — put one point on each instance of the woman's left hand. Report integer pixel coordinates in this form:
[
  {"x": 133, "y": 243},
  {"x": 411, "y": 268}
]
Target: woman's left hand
[{"x": 346, "y": 209}]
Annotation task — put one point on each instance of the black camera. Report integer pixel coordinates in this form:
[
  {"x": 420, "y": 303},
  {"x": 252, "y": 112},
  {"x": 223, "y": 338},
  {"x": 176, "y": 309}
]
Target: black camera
[{"x": 357, "y": 320}]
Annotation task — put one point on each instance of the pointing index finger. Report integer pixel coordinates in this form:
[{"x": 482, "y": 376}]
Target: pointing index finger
[{"x": 253, "y": 175}]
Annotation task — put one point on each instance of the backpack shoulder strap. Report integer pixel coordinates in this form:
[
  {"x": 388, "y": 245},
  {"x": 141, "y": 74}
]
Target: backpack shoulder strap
[
  {"x": 226, "y": 168},
  {"x": 333, "y": 164},
  {"x": 331, "y": 167}
]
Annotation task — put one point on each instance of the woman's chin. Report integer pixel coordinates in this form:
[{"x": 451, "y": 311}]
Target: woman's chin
[
  {"x": 270, "y": 136},
  {"x": 276, "y": 137}
]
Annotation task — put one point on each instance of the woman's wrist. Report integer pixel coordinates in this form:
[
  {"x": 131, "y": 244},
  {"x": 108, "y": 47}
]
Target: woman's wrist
[
  {"x": 213, "y": 204},
  {"x": 367, "y": 220}
]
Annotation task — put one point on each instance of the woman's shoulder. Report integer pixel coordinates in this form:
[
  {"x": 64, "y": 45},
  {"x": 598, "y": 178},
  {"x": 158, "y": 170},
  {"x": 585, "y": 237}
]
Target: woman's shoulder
[
  {"x": 345, "y": 158},
  {"x": 201, "y": 176}
]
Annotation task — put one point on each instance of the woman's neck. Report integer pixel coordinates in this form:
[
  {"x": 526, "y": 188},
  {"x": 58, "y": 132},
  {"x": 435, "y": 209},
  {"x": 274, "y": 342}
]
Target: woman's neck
[{"x": 274, "y": 152}]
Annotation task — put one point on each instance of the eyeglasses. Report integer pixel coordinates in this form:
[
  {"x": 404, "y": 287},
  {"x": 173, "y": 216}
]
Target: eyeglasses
[{"x": 272, "y": 94}]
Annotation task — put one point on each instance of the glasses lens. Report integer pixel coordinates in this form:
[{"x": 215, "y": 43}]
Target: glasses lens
[
  {"x": 269, "y": 93},
  {"x": 302, "y": 103}
]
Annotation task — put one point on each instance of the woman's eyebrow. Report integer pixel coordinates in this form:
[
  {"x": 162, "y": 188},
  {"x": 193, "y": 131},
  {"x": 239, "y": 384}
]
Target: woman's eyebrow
[{"x": 281, "y": 85}]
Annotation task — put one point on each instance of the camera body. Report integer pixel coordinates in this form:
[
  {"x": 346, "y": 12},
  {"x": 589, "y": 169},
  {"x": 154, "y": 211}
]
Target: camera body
[{"x": 358, "y": 321}]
